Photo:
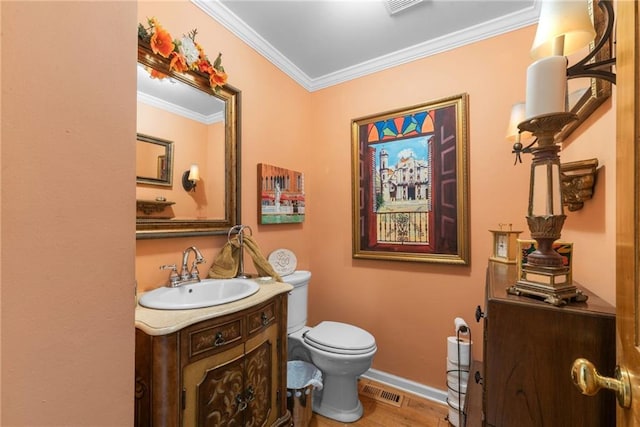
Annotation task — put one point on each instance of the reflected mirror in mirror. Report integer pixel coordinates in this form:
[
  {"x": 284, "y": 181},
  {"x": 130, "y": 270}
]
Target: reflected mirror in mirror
[
  {"x": 201, "y": 124},
  {"x": 154, "y": 161}
]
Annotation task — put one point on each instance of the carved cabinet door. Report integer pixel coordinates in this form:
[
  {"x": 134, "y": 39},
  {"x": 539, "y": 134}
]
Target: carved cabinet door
[
  {"x": 214, "y": 390},
  {"x": 261, "y": 373},
  {"x": 236, "y": 387}
]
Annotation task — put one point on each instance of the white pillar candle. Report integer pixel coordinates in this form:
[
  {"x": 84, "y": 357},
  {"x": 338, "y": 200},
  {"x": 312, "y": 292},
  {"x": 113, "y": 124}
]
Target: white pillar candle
[{"x": 546, "y": 86}]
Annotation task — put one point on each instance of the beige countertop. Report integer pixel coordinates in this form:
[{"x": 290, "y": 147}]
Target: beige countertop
[{"x": 163, "y": 322}]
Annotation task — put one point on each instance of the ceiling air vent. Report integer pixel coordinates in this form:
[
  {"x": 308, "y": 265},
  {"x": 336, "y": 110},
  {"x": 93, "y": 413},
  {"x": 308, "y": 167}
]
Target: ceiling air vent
[{"x": 395, "y": 6}]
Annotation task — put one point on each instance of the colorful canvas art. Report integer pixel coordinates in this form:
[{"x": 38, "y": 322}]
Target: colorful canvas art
[{"x": 281, "y": 197}]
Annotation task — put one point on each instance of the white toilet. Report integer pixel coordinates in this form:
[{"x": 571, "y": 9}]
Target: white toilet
[{"x": 342, "y": 352}]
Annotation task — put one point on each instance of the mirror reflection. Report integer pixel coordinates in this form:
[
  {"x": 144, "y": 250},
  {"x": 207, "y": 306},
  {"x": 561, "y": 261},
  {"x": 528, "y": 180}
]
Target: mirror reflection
[
  {"x": 197, "y": 126},
  {"x": 154, "y": 161}
]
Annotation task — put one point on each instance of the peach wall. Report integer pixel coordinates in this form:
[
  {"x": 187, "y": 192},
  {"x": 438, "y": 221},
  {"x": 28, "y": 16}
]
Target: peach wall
[
  {"x": 408, "y": 307},
  {"x": 67, "y": 240}
]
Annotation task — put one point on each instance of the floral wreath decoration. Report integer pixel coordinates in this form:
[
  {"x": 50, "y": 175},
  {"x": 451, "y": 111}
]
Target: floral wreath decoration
[{"x": 184, "y": 54}]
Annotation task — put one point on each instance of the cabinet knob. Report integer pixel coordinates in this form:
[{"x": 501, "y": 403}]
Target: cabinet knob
[
  {"x": 478, "y": 378},
  {"x": 242, "y": 404},
  {"x": 586, "y": 377},
  {"x": 479, "y": 313},
  {"x": 219, "y": 339},
  {"x": 265, "y": 319},
  {"x": 250, "y": 394}
]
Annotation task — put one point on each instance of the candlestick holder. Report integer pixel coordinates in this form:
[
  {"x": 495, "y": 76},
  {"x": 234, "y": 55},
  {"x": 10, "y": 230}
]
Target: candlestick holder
[{"x": 544, "y": 275}]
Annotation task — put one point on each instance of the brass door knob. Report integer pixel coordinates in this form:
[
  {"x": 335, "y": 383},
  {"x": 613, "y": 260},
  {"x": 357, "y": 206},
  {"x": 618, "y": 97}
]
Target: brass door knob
[{"x": 586, "y": 377}]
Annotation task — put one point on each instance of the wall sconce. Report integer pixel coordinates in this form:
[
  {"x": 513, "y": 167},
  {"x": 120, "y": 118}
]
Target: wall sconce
[
  {"x": 190, "y": 177},
  {"x": 564, "y": 27},
  {"x": 515, "y": 135}
]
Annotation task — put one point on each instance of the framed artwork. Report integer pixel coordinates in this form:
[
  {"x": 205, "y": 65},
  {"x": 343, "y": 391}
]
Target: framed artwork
[
  {"x": 526, "y": 246},
  {"x": 280, "y": 195},
  {"x": 410, "y": 183}
]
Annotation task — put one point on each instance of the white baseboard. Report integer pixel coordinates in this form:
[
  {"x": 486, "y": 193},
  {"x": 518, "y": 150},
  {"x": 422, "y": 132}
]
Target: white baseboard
[{"x": 426, "y": 392}]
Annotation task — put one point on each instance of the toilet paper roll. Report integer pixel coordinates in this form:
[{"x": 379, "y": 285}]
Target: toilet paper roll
[
  {"x": 459, "y": 350},
  {"x": 457, "y": 383},
  {"x": 461, "y": 325},
  {"x": 453, "y": 396}
]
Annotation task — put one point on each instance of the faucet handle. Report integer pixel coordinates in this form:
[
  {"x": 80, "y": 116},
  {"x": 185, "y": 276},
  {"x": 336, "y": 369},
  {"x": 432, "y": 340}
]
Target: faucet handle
[
  {"x": 195, "y": 274},
  {"x": 173, "y": 275}
]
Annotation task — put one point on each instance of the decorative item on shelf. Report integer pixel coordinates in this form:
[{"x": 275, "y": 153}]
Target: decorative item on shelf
[
  {"x": 149, "y": 207},
  {"x": 185, "y": 53},
  {"x": 190, "y": 178},
  {"x": 564, "y": 28},
  {"x": 578, "y": 180},
  {"x": 504, "y": 244}
]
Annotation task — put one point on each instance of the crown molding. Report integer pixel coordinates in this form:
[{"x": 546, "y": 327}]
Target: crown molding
[
  {"x": 502, "y": 25},
  {"x": 181, "y": 111}
]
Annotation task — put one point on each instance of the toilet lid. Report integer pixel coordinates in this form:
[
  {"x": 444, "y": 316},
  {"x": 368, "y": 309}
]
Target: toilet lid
[{"x": 336, "y": 337}]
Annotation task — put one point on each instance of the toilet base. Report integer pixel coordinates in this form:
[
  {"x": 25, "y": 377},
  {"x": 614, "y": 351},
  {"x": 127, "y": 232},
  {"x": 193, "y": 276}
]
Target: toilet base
[
  {"x": 342, "y": 415},
  {"x": 338, "y": 399}
]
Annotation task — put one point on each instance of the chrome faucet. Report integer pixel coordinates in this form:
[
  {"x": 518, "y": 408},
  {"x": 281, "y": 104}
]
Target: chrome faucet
[{"x": 186, "y": 275}]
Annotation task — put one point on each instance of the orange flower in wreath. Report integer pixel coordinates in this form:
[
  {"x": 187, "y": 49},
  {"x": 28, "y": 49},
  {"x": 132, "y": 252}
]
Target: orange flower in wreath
[
  {"x": 178, "y": 62},
  {"x": 155, "y": 74},
  {"x": 217, "y": 78},
  {"x": 161, "y": 43}
]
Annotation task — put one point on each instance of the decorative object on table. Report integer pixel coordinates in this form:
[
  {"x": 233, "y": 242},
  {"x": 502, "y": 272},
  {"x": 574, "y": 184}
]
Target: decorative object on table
[
  {"x": 564, "y": 28},
  {"x": 409, "y": 183},
  {"x": 525, "y": 247},
  {"x": 283, "y": 261},
  {"x": 505, "y": 246},
  {"x": 544, "y": 274},
  {"x": 280, "y": 195},
  {"x": 230, "y": 261}
]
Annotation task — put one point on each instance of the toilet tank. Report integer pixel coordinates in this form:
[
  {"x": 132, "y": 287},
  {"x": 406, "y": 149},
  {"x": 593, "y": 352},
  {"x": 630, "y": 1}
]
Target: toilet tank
[{"x": 297, "y": 302}]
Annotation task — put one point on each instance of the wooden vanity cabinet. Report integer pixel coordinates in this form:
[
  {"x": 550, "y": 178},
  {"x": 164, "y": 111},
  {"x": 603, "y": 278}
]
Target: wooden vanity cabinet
[
  {"x": 229, "y": 370},
  {"x": 529, "y": 348}
]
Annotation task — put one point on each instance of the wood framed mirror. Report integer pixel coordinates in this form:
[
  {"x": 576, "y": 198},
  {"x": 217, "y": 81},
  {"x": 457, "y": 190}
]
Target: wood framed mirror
[
  {"x": 586, "y": 94},
  {"x": 154, "y": 161},
  {"x": 204, "y": 126}
]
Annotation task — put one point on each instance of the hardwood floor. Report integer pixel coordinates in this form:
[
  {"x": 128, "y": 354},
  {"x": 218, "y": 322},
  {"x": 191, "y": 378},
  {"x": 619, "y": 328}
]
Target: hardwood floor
[{"x": 402, "y": 410}]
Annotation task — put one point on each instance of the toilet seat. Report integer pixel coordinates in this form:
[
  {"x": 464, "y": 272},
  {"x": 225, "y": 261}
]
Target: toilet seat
[{"x": 340, "y": 338}]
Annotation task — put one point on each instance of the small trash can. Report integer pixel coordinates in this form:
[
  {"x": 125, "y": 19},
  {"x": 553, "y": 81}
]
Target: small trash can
[{"x": 302, "y": 378}]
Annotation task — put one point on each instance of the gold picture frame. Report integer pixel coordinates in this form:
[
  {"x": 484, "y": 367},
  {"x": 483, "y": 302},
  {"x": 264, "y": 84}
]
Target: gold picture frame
[{"x": 410, "y": 183}]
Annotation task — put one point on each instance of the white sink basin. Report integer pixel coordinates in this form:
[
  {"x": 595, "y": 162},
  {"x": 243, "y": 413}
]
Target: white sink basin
[{"x": 206, "y": 293}]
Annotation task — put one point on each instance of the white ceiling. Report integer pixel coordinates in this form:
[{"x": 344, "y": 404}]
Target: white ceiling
[{"x": 320, "y": 43}]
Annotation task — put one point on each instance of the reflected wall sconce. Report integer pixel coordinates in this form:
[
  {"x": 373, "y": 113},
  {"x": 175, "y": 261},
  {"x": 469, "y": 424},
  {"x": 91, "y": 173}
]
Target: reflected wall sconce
[
  {"x": 190, "y": 178},
  {"x": 564, "y": 27}
]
